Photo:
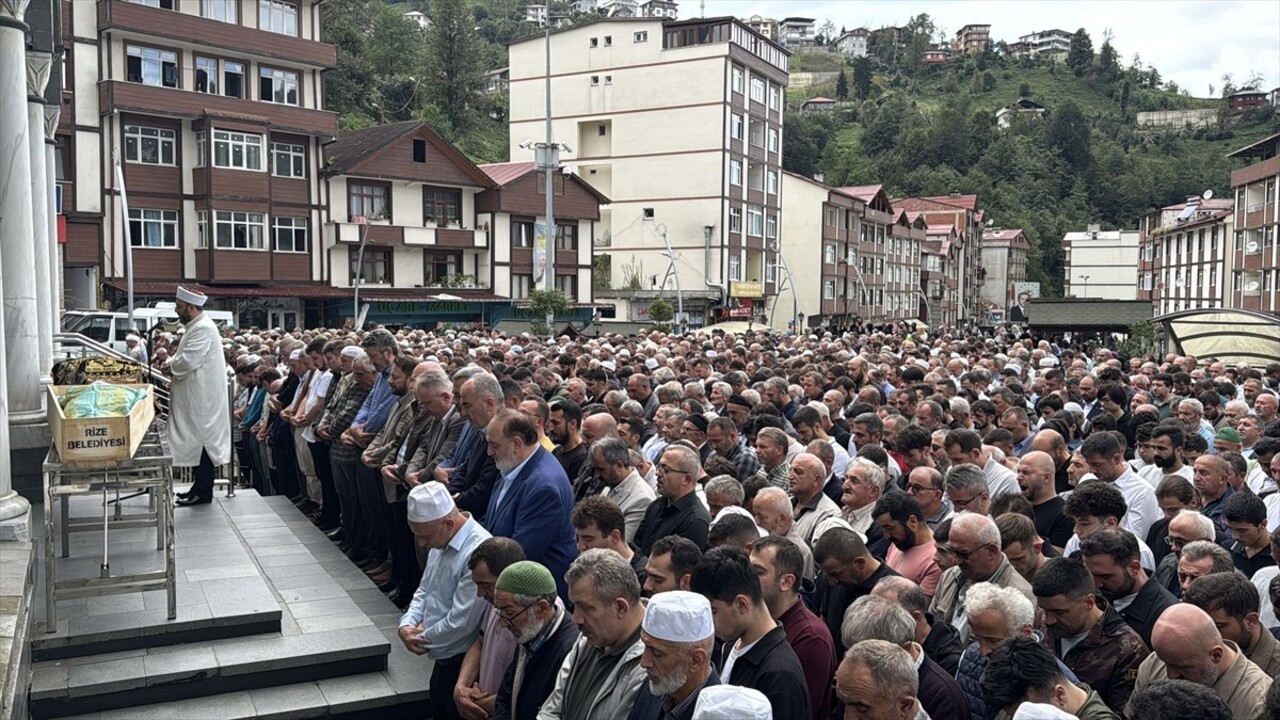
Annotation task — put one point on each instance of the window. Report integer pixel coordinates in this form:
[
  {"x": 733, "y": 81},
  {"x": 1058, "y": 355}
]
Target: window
[
  {"x": 162, "y": 4},
  {"x": 150, "y": 66},
  {"x": 735, "y": 267},
  {"x": 238, "y": 230},
  {"x": 567, "y": 237},
  {"x": 771, "y": 272},
  {"x": 602, "y": 130},
  {"x": 521, "y": 233},
  {"x": 755, "y": 220},
  {"x": 771, "y": 226},
  {"x": 608, "y": 79},
  {"x": 201, "y": 148},
  {"x": 290, "y": 234},
  {"x": 829, "y": 254},
  {"x": 735, "y": 127},
  {"x": 773, "y": 97},
  {"x": 737, "y": 80},
  {"x": 370, "y": 201},
  {"x": 278, "y": 17},
  {"x": 226, "y": 11},
  {"x": 735, "y": 172},
  {"x": 771, "y": 182},
  {"x": 595, "y": 42},
  {"x": 773, "y": 140},
  {"x": 278, "y": 86},
  {"x": 149, "y": 146},
  {"x": 757, "y": 89},
  {"x": 567, "y": 284},
  {"x": 608, "y": 41},
  {"x": 441, "y": 206},
  {"x": 419, "y": 150},
  {"x": 642, "y": 36},
  {"x": 376, "y": 267},
  {"x": 288, "y": 160},
  {"x": 237, "y": 150},
  {"x": 439, "y": 266},
  {"x": 153, "y": 228},
  {"x": 207, "y": 75},
  {"x": 521, "y": 286},
  {"x": 828, "y": 290},
  {"x": 755, "y": 129},
  {"x": 735, "y": 220},
  {"x": 202, "y": 230},
  {"x": 595, "y": 80},
  {"x": 233, "y": 79}
]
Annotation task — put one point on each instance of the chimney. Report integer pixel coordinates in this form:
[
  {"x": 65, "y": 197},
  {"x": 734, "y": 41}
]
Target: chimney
[{"x": 955, "y": 194}]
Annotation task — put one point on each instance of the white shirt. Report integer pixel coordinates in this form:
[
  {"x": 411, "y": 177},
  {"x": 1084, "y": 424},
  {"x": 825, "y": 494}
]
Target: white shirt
[
  {"x": 1144, "y": 511},
  {"x": 841, "y": 462},
  {"x": 1262, "y": 581},
  {"x": 319, "y": 388},
  {"x": 1000, "y": 479},
  {"x": 1145, "y": 556},
  {"x": 735, "y": 652}
]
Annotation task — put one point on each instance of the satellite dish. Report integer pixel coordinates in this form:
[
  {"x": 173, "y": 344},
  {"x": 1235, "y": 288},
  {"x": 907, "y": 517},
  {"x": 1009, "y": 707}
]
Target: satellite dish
[
  {"x": 1180, "y": 282},
  {"x": 1208, "y": 195},
  {"x": 1251, "y": 247},
  {"x": 1251, "y": 286}
]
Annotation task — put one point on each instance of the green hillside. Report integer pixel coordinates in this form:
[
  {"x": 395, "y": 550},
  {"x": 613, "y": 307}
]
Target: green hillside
[{"x": 931, "y": 129}]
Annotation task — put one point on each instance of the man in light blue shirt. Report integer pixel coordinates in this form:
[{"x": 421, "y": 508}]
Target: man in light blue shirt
[{"x": 445, "y": 614}]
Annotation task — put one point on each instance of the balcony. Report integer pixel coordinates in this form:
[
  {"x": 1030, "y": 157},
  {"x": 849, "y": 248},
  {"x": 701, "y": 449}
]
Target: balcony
[
  {"x": 121, "y": 96},
  {"x": 226, "y": 37}
]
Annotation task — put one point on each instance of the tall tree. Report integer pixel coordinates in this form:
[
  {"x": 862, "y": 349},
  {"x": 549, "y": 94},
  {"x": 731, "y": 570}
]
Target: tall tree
[
  {"x": 1068, "y": 133},
  {"x": 454, "y": 58},
  {"x": 842, "y": 86},
  {"x": 1108, "y": 62},
  {"x": 862, "y": 77},
  {"x": 1080, "y": 56}
]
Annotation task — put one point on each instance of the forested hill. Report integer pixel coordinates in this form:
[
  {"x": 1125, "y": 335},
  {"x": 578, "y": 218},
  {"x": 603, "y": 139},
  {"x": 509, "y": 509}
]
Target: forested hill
[
  {"x": 930, "y": 129},
  {"x": 916, "y": 127}
]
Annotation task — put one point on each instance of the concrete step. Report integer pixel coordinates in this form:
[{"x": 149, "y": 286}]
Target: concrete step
[
  {"x": 17, "y": 566},
  {"x": 320, "y": 664}
]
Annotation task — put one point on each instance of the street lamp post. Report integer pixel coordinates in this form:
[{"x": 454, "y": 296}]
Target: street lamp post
[{"x": 1085, "y": 278}]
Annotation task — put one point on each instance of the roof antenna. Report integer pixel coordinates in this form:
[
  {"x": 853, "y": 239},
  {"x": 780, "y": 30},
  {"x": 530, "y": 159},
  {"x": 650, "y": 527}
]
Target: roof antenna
[{"x": 702, "y": 8}]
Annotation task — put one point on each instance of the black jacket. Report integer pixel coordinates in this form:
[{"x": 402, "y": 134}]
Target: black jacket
[
  {"x": 474, "y": 481},
  {"x": 540, "y": 672},
  {"x": 772, "y": 668},
  {"x": 1141, "y": 614},
  {"x": 943, "y": 646},
  {"x": 940, "y": 694}
]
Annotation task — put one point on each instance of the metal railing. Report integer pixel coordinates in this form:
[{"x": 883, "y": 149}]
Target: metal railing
[{"x": 65, "y": 345}]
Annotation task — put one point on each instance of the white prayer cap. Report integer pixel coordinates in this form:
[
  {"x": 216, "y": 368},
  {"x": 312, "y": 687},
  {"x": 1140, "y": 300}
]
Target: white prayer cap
[
  {"x": 1073, "y": 407},
  {"x": 296, "y": 354},
  {"x": 429, "y": 501},
  {"x": 1040, "y": 711},
  {"x": 728, "y": 510},
  {"x": 651, "y": 363},
  {"x": 1048, "y": 362},
  {"x": 832, "y": 523},
  {"x": 131, "y": 338},
  {"x": 678, "y": 616},
  {"x": 711, "y": 354},
  {"x": 351, "y": 351},
  {"x": 609, "y": 365},
  {"x": 252, "y": 359},
  {"x": 191, "y": 297},
  {"x": 730, "y": 702},
  {"x": 517, "y": 349}
]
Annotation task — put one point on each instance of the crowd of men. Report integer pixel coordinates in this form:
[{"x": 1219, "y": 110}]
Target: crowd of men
[{"x": 880, "y": 525}]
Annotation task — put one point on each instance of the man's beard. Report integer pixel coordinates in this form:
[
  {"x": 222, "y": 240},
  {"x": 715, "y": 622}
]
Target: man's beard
[
  {"x": 1164, "y": 463},
  {"x": 1124, "y": 591},
  {"x": 531, "y": 630},
  {"x": 906, "y": 543},
  {"x": 670, "y": 683}
]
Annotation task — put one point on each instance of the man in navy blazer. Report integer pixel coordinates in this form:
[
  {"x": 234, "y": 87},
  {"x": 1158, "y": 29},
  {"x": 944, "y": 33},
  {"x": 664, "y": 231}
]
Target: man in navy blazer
[{"x": 532, "y": 498}]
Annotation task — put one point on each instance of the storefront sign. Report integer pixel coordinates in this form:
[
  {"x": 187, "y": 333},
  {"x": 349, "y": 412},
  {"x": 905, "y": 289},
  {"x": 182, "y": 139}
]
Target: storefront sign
[{"x": 745, "y": 289}]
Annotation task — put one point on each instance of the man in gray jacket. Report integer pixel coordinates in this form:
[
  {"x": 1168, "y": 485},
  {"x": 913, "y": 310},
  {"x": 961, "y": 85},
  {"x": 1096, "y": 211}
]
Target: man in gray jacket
[{"x": 602, "y": 675}]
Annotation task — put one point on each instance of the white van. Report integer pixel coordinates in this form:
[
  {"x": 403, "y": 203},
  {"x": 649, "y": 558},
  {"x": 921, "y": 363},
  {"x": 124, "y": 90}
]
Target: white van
[{"x": 110, "y": 328}]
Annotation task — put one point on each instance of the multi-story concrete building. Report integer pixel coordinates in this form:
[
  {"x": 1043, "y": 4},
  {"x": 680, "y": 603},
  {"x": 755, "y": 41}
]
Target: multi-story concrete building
[
  {"x": 853, "y": 43},
  {"x": 767, "y": 27},
  {"x": 1256, "y": 259},
  {"x": 1052, "y": 44},
  {"x": 902, "y": 264},
  {"x": 962, "y": 213},
  {"x": 939, "y": 275},
  {"x": 1186, "y": 255},
  {"x": 214, "y": 112},
  {"x": 1101, "y": 265},
  {"x": 972, "y": 39},
  {"x": 679, "y": 123},
  {"x": 797, "y": 32},
  {"x": 660, "y": 9},
  {"x": 1004, "y": 262}
]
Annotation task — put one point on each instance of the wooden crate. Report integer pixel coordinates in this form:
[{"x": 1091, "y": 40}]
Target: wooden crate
[{"x": 104, "y": 441}]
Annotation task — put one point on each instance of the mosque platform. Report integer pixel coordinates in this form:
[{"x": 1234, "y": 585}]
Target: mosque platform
[{"x": 273, "y": 621}]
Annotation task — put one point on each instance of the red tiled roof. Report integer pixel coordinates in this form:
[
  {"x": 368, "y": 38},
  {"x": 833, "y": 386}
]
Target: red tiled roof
[
  {"x": 1003, "y": 235},
  {"x": 819, "y": 100},
  {"x": 968, "y": 202},
  {"x": 503, "y": 173},
  {"x": 865, "y": 193}
]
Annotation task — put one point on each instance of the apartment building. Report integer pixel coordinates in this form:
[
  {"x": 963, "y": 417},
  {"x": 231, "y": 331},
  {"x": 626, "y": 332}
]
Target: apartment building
[
  {"x": 679, "y": 124},
  {"x": 972, "y": 39},
  {"x": 797, "y": 32},
  {"x": 902, "y": 264},
  {"x": 768, "y": 27},
  {"x": 853, "y": 43},
  {"x": 1052, "y": 44},
  {"x": 1185, "y": 255},
  {"x": 660, "y": 9},
  {"x": 1004, "y": 262},
  {"x": 939, "y": 275},
  {"x": 214, "y": 112},
  {"x": 1101, "y": 264},
  {"x": 963, "y": 213},
  {"x": 1256, "y": 279}
]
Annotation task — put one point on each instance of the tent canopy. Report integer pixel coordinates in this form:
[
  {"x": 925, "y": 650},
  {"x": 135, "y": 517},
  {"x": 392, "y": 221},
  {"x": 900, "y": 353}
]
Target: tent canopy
[{"x": 1231, "y": 336}]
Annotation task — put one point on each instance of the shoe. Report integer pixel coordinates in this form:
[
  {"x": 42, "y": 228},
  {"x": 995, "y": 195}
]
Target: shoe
[
  {"x": 344, "y": 546},
  {"x": 388, "y": 585},
  {"x": 337, "y": 535},
  {"x": 370, "y": 564},
  {"x": 400, "y": 600},
  {"x": 330, "y": 529},
  {"x": 194, "y": 500},
  {"x": 182, "y": 495}
]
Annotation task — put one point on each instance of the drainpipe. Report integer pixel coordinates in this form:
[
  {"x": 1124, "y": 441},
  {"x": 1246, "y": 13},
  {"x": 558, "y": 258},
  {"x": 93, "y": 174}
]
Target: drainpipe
[{"x": 706, "y": 263}]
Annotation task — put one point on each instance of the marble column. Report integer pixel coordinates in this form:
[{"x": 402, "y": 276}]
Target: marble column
[
  {"x": 38, "y": 67},
  {"x": 16, "y": 261},
  {"x": 52, "y": 113}
]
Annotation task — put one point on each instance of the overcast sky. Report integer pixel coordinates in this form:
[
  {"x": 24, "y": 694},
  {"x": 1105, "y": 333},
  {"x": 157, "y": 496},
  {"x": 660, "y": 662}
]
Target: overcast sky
[{"x": 1192, "y": 42}]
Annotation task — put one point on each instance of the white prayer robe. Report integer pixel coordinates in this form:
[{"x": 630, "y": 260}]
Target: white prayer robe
[{"x": 199, "y": 415}]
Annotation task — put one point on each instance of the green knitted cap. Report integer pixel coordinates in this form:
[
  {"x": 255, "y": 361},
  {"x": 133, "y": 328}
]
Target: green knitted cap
[
  {"x": 1229, "y": 435},
  {"x": 526, "y": 578}
]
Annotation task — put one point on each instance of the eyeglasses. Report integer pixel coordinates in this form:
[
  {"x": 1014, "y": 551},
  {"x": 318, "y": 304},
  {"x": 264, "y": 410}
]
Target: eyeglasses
[
  {"x": 508, "y": 619},
  {"x": 664, "y": 469},
  {"x": 915, "y": 488},
  {"x": 962, "y": 504},
  {"x": 965, "y": 555},
  {"x": 1172, "y": 541}
]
